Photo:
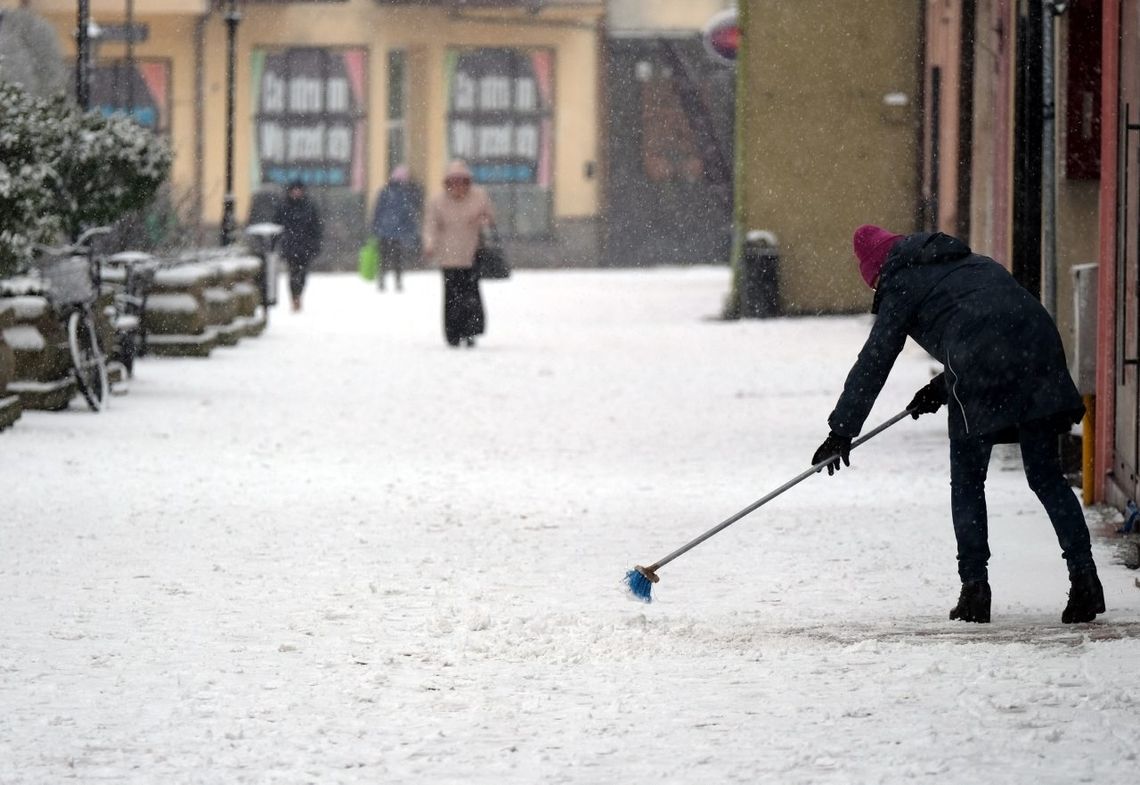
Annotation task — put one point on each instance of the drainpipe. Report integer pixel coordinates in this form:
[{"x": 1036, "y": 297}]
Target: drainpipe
[
  {"x": 1105, "y": 490},
  {"x": 921, "y": 117},
  {"x": 1052, "y": 9},
  {"x": 739, "y": 131}
]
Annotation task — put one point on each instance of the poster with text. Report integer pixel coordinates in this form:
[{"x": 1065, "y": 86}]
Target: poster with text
[
  {"x": 310, "y": 121},
  {"x": 499, "y": 114}
]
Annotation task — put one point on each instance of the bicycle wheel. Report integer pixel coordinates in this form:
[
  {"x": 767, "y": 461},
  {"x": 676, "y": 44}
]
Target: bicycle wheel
[{"x": 87, "y": 358}]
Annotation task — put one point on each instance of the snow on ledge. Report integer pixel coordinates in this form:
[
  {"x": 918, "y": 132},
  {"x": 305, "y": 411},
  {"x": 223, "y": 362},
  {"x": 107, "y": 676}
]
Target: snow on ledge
[
  {"x": 26, "y": 308},
  {"x": 21, "y": 285},
  {"x": 217, "y": 294},
  {"x": 206, "y": 336},
  {"x": 183, "y": 275},
  {"x": 24, "y": 338},
  {"x": 26, "y": 386},
  {"x": 176, "y": 302}
]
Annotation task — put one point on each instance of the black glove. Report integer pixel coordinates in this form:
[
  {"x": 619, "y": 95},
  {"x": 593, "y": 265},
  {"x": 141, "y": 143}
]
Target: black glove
[
  {"x": 930, "y": 398},
  {"x": 834, "y": 446}
]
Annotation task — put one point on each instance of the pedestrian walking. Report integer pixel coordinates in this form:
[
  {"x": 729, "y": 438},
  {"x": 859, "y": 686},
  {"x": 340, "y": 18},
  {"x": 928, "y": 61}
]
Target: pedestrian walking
[
  {"x": 1005, "y": 380},
  {"x": 300, "y": 243},
  {"x": 452, "y": 227},
  {"x": 396, "y": 225}
]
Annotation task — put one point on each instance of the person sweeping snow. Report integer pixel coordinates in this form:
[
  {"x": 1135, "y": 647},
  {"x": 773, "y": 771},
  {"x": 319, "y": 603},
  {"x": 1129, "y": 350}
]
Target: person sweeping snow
[{"x": 1005, "y": 380}]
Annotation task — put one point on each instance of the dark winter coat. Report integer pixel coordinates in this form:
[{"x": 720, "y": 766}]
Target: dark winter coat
[
  {"x": 397, "y": 213},
  {"x": 1004, "y": 361},
  {"x": 303, "y": 229}
]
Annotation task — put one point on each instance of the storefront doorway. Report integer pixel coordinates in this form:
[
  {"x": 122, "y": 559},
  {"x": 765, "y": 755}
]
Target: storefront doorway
[{"x": 668, "y": 134}]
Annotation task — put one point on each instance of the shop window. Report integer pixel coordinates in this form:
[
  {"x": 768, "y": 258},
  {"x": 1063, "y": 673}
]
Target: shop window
[
  {"x": 500, "y": 121},
  {"x": 669, "y": 152},
  {"x": 143, "y": 91},
  {"x": 311, "y": 106}
]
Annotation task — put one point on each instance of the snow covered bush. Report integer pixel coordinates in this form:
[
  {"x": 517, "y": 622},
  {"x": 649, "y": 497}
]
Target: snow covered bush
[
  {"x": 62, "y": 169},
  {"x": 27, "y": 180},
  {"x": 108, "y": 166}
]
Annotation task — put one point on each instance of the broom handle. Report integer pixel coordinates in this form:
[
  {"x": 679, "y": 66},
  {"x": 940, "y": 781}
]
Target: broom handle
[{"x": 761, "y": 502}]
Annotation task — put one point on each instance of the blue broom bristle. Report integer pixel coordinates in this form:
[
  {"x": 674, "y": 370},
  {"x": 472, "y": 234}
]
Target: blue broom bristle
[{"x": 639, "y": 586}]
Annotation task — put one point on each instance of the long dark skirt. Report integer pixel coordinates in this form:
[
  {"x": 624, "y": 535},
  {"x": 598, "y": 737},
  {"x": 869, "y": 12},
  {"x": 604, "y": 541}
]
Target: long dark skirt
[{"x": 462, "y": 305}]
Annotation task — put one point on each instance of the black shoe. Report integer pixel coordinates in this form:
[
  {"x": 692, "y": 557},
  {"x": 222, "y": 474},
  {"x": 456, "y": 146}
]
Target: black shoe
[
  {"x": 1086, "y": 598},
  {"x": 470, "y": 343},
  {"x": 973, "y": 603}
]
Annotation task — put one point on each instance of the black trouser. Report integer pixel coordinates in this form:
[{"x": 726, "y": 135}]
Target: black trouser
[
  {"x": 394, "y": 256},
  {"x": 298, "y": 271},
  {"x": 969, "y": 461},
  {"x": 462, "y": 305}
]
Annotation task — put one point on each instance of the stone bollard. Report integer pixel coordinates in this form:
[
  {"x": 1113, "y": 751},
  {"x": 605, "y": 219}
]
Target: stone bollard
[
  {"x": 221, "y": 305},
  {"x": 43, "y": 375},
  {"x": 176, "y": 311},
  {"x": 241, "y": 274},
  {"x": 10, "y": 407}
]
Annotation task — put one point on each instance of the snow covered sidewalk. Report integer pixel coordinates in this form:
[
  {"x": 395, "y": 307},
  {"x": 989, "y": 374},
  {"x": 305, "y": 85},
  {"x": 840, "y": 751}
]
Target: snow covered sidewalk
[{"x": 343, "y": 552}]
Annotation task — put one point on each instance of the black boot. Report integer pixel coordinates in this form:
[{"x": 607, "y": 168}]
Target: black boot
[
  {"x": 1086, "y": 598},
  {"x": 973, "y": 603}
]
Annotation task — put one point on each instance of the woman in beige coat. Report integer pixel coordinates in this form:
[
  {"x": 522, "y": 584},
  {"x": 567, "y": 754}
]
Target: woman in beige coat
[{"x": 452, "y": 226}]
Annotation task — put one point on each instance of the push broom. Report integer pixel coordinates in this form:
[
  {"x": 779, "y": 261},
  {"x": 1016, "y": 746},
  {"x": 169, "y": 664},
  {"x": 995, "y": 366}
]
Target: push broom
[{"x": 640, "y": 579}]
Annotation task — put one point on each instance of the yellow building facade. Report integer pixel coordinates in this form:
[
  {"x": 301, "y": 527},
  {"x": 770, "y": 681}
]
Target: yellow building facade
[
  {"x": 337, "y": 93},
  {"x": 828, "y": 113}
]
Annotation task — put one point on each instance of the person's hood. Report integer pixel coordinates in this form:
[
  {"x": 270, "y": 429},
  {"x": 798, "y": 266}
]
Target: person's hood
[
  {"x": 456, "y": 168},
  {"x": 923, "y": 248},
  {"x": 926, "y": 248}
]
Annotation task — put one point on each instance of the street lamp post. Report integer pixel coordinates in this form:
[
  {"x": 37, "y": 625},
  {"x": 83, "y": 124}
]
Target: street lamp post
[
  {"x": 83, "y": 55},
  {"x": 131, "y": 59},
  {"x": 233, "y": 17}
]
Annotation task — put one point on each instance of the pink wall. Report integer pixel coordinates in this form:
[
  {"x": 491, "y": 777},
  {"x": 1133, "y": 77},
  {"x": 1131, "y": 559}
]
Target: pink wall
[
  {"x": 1106, "y": 282},
  {"x": 943, "y": 51},
  {"x": 990, "y": 212},
  {"x": 1001, "y": 241}
]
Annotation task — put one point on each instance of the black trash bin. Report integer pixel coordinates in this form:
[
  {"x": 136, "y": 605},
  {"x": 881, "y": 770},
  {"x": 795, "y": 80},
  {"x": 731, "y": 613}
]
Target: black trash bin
[
  {"x": 261, "y": 238},
  {"x": 759, "y": 276}
]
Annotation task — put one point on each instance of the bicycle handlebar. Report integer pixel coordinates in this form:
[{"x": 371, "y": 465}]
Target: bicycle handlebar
[
  {"x": 81, "y": 246},
  {"x": 94, "y": 231}
]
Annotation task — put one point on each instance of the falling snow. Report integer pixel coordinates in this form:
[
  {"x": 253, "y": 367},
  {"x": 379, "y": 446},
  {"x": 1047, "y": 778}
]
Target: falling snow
[{"x": 343, "y": 552}]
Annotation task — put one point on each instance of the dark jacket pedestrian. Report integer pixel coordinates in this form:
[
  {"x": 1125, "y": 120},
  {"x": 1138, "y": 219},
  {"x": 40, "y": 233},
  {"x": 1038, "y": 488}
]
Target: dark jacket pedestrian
[
  {"x": 396, "y": 223},
  {"x": 1005, "y": 380},
  {"x": 302, "y": 231}
]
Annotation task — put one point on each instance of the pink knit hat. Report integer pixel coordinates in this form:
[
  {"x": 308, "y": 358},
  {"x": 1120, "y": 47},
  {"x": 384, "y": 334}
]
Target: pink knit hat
[{"x": 872, "y": 244}]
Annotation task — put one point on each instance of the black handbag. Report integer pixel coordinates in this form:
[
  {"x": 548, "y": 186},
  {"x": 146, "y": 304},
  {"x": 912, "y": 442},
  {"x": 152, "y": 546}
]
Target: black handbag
[{"x": 490, "y": 259}]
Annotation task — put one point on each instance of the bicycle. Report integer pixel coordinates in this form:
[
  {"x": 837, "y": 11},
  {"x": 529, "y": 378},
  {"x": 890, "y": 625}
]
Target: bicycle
[
  {"x": 71, "y": 275},
  {"x": 127, "y": 276}
]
